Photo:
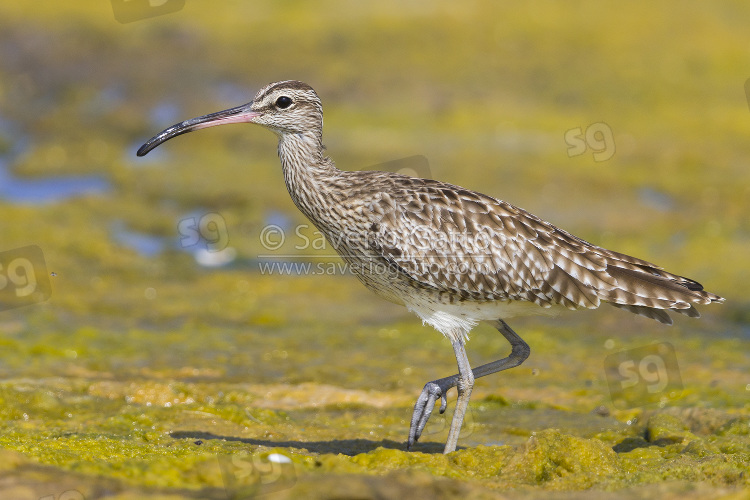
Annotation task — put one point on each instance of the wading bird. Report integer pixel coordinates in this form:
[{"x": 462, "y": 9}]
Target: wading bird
[{"x": 452, "y": 256}]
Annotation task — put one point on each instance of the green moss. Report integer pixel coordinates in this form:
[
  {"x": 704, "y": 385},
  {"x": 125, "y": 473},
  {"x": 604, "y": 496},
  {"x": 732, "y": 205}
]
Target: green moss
[
  {"x": 736, "y": 427},
  {"x": 665, "y": 429},
  {"x": 700, "y": 448},
  {"x": 560, "y": 461}
]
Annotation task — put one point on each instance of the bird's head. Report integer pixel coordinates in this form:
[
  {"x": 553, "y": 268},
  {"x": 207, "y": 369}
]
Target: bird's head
[{"x": 288, "y": 107}]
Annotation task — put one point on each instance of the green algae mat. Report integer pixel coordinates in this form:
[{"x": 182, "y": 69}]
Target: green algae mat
[{"x": 171, "y": 327}]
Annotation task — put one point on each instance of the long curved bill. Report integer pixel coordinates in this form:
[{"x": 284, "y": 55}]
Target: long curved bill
[{"x": 240, "y": 114}]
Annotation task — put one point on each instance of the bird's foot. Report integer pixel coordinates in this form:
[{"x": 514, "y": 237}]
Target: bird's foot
[{"x": 424, "y": 406}]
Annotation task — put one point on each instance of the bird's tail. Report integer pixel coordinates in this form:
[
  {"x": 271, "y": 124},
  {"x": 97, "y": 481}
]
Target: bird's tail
[{"x": 649, "y": 291}]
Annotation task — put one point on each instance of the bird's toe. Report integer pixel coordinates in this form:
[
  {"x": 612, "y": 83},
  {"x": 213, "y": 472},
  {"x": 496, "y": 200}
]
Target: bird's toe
[{"x": 431, "y": 392}]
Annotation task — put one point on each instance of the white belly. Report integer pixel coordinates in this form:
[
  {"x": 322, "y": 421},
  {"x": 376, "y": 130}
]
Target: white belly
[{"x": 456, "y": 320}]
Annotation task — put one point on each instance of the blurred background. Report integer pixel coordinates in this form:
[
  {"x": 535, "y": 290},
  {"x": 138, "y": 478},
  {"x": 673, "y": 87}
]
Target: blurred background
[{"x": 625, "y": 124}]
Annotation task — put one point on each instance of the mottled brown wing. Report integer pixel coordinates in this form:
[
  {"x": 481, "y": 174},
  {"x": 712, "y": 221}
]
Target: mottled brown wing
[{"x": 480, "y": 248}]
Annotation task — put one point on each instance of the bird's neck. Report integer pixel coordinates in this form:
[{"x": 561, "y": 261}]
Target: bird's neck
[{"x": 308, "y": 172}]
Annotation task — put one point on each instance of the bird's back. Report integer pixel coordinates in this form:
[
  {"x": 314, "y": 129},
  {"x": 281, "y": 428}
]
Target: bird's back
[{"x": 472, "y": 247}]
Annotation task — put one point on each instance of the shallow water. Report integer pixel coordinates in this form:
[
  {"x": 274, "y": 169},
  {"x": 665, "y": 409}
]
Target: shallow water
[{"x": 48, "y": 190}]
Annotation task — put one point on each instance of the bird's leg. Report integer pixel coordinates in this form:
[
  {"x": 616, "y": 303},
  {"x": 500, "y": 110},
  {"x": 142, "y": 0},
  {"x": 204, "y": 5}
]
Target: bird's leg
[
  {"x": 465, "y": 384},
  {"x": 437, "y": 388},
  {"x": 519, "y": 352}
]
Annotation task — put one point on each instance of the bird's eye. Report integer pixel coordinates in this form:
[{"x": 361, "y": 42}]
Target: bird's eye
[{"x": 283, "y": 102}]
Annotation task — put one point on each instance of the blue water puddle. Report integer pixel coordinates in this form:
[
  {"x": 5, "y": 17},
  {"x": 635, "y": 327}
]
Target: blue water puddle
[
  {"x": 204, "y": 252},
  {"x": 48, "y": 189},
  {"x": 148, "y": 245},
  {"x": 657, "y": 200},
  {"x": 44, "y": 190},
  {"x": 145, "y": 244},
  {"x": 280, "y": 219},
  {"x": 165, "y": 114}
]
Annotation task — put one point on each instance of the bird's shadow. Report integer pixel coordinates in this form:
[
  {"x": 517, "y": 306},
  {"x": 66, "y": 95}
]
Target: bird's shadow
[{"x": 348, "y": 447}]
